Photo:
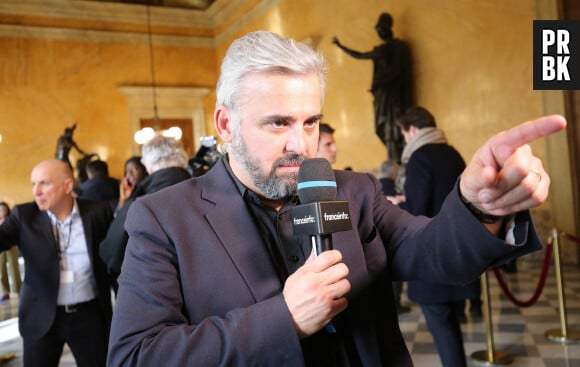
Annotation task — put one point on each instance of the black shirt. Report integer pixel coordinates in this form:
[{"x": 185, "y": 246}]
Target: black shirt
[{"x": 332, "y": 346}]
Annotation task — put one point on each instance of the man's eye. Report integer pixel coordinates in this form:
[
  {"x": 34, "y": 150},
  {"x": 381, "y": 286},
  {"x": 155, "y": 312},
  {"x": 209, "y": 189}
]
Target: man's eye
[{"x": 279, "y": 123}]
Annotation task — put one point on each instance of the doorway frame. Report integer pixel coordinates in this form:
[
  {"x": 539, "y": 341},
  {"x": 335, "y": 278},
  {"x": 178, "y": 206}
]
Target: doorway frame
[{"x": 172, "y": 102}]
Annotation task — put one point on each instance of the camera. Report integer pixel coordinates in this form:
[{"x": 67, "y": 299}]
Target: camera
[
  {"x": 208, "y": 141},
  {"x": 206, "y": 156}
]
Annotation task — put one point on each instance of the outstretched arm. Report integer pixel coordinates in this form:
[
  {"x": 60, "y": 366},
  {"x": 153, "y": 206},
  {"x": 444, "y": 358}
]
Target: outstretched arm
[
  {"x": 78, "y": 149},
  {"x": 504, "y": 177},
  {"x": 351, "y": 52}
]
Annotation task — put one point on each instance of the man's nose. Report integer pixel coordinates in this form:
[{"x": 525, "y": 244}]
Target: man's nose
[
  {"x": 36, "y": 190},
  {"x": 296, "y": 141}
]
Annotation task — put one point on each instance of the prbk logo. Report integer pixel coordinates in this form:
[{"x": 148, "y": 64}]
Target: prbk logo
[{"x": 556, "y": 54}]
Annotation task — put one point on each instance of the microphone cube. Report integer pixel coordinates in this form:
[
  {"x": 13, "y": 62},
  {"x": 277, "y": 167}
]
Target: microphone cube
[{"x": 321, "y": 217}]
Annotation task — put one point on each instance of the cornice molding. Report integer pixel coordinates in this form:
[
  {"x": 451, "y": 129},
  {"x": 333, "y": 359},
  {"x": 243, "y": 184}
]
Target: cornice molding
[
  {"x": 123, "y": 13},
  {"x": 108, "y": 12},
  {"x": 216, "y": 14},
  {"x": 254, "y": 13},
  {"x": 138, "y": 92},
  {"x": 86, "y": 35}
]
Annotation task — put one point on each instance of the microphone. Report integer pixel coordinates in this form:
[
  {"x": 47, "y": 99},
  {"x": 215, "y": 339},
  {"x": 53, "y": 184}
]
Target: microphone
[{"x": 319, "y": 214}]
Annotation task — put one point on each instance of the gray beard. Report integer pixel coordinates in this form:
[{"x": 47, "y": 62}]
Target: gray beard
[{"x": 270, "y": 185}]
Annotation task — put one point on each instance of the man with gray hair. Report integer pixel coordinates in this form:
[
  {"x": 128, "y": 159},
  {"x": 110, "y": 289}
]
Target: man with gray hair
[
  {"x": 221, "y": 280},
  {"x": 166, "y": 162}
]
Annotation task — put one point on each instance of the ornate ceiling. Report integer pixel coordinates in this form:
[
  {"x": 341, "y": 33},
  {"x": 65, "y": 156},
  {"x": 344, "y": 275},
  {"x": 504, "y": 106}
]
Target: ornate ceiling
[
  {"x": 186, "y": 4},
  {"x": 183, "y": 23}
]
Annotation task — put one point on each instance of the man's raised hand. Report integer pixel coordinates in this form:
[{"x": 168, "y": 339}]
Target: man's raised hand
[{"x": 504, "y": 176}]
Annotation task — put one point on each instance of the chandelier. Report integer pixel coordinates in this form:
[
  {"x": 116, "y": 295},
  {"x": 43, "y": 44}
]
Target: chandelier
[{"x": 147, "y": 133}]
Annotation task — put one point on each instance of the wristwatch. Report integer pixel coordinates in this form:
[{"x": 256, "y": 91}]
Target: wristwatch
[{"x": 481, "y": 216}]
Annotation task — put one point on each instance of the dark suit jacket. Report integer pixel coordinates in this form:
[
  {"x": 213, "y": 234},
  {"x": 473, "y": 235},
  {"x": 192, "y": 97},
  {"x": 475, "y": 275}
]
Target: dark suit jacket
[
  {"x": 431, "y": 174},
  {"x": 208, "y": 294},
  {"x": 100, "y": 188},
  {"x": 112, "y": 249},
  {"x": 31, "y": 229}
]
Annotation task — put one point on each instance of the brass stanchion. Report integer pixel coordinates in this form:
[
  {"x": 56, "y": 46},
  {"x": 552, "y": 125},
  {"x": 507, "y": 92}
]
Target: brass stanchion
[
  {"x": 562, "y": 335},
  {"x": 6, "y": 357},
  {"x": 489, "y": 357}
]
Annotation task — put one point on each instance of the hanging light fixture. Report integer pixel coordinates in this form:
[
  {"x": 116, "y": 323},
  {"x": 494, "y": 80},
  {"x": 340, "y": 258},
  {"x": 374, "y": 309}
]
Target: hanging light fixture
[
  {"x": 152, "y": 66},
  {"x": 147, "y": 133}
]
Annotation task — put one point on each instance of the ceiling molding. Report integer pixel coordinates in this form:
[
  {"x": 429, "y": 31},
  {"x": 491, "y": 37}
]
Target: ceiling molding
[
  {"x": 123, "y": 13},
  {"x": 248, "y": 17},
  {"x": 85, "y": 35},
  {"x": 217, "y": 13}
]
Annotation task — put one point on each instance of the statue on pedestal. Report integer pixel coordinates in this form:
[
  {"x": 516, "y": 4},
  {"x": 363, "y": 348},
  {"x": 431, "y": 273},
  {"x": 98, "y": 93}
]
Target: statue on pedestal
[
  {"x": 64, "y": 144},
  {"x": 391, "y": 85}
]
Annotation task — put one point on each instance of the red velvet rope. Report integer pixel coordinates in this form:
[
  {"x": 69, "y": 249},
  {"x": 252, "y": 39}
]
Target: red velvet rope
[
  {"x": 541, "y": 282},
  {"x": 572, "y": 238}
]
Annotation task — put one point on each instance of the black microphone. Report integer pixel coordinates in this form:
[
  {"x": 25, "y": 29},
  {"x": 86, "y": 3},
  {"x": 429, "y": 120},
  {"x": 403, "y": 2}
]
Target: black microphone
[{"x": 319, "y": 214}]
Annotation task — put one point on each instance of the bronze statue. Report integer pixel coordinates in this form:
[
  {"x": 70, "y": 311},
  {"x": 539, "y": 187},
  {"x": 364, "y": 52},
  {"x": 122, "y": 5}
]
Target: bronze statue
[
  {"x": 64, "y": 144},
  {"x": 391, "y": 86}
]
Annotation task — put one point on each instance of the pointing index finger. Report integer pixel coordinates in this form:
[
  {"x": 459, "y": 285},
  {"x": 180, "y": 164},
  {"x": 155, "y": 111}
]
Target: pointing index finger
[{"x": 504, "y": 144}]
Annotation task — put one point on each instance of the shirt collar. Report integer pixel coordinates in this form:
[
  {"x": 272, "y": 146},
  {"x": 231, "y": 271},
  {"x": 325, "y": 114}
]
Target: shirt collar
[{"x": 73, "y": 213}]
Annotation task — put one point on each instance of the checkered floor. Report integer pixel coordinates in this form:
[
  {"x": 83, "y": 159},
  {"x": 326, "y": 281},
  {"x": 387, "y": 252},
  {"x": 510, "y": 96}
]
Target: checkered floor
[{"x": 518, "y": 333}]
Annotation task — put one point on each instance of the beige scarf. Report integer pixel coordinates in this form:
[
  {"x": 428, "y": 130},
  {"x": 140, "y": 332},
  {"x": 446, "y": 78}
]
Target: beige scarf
[{"x": 424, "y": 136}]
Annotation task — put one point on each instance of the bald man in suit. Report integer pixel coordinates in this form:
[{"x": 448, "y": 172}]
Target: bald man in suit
[{"x": 66, "y": 295}]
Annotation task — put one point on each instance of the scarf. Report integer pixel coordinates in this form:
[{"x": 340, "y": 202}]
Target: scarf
[{"x": 424, "y": 136}]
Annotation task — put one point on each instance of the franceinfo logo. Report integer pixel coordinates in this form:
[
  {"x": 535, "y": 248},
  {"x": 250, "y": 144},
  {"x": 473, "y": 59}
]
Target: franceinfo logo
[
  {"x": 321, "y": 217},
  {"x": 337, "y": 216},
  {"x": 327, "y": 217},
  {"x": 306, "y": 220}
]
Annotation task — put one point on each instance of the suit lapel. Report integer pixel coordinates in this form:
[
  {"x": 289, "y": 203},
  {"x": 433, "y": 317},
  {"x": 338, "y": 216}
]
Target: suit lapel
[
  {"x": 238, "y": 234},
  {"x": 47, "y": 231},
  {"x": 87, "y": 227}
]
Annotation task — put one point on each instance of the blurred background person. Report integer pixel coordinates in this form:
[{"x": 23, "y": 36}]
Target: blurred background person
[
  {"x": 326, "y": 144},
  {"x": 387, "y": 175},
  {"x": 100, "y": 186},
  {"x": 431, "y": 168},
  {"x": 166, "y": 162},
  {"x": 135, "y": 172},
  {"x": 10, "y": 278}
]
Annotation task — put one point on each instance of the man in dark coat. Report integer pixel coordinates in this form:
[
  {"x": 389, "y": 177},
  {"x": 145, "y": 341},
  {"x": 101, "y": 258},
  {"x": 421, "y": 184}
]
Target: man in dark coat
[
  {"x": 220, "y": 279},
  {"x": 100, "y": 186},
  {"x": 166, "y": 162},
  {"x": 65, "y": 297},
  {"x": 431, "y": 169}
]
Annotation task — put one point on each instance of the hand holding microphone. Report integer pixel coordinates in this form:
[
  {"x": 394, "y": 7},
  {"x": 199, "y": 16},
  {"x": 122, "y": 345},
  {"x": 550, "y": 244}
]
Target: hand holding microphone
[{"x": 315, "y": 292}]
